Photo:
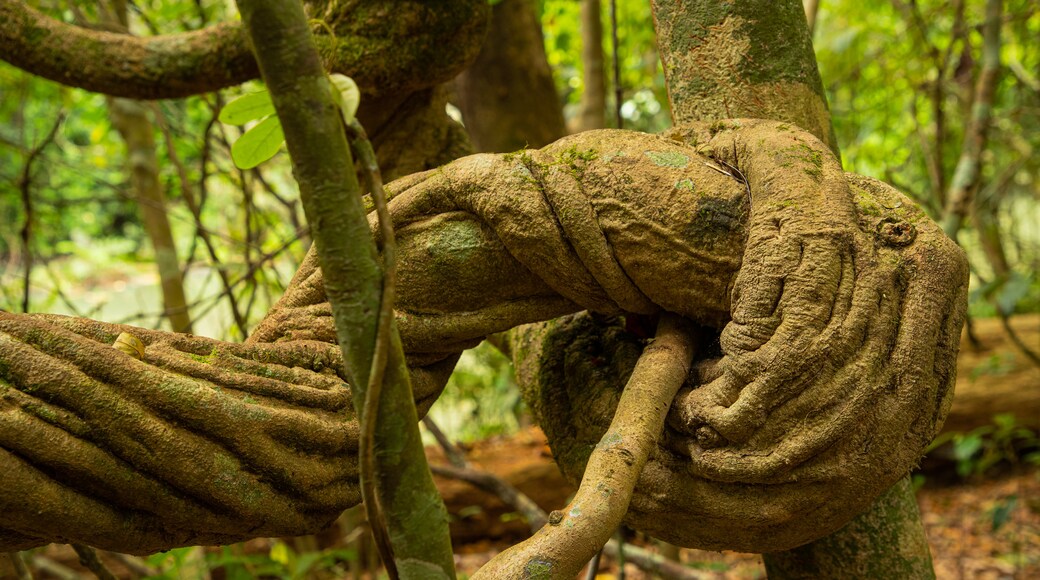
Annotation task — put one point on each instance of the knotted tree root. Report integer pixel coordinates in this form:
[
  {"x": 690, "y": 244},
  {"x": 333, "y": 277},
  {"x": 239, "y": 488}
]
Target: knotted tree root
[{"x": 836, "y": 301}]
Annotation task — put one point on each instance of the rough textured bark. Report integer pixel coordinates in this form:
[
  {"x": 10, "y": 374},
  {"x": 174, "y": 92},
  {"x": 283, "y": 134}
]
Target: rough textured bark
[
  {"x": 412, "y": 133},
  {"x": 416, "y": 519},
  {"x": 854, "y": 553},
  {"x": 594, "y": 95},
  {"x": 765, "y": 52},
  {"x": 610, "y": 221},
  {"x": 507, "y": 96},
  {"x": 749, "y": 58},
  {"x": 130, "y": 118},
  {"x": 387, "y": 47}
]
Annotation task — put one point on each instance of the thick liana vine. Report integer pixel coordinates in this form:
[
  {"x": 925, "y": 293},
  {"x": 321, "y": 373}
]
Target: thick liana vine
[
  {"x": 354, "y": 282},
  {"x": 576, "y": 533}
]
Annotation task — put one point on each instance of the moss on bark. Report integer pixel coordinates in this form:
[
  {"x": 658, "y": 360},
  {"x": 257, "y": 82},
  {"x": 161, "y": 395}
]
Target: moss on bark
[
  {"x": 875, "y": 545},
  {"x": 741, "y": 59},
  {"x": 389, "y": 48}
]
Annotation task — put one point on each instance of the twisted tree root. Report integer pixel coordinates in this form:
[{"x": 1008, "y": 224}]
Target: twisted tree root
[{"x": 837, "y": 305}]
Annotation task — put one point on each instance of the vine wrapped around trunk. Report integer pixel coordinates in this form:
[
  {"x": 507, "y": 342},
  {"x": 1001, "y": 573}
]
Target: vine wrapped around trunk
[{"x": 837, "y": 305}]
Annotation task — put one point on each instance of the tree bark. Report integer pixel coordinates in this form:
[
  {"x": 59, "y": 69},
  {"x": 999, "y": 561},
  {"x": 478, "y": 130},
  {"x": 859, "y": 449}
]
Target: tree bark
[
  {"x": 104, "y": 448},
  {"x": 387, "y": 47},
  {"x": 877, "y": 544},
  {"x": 755, "y": 58},
  {"x": 507, "y": 96},
  {"x": 749, "y": 58}
]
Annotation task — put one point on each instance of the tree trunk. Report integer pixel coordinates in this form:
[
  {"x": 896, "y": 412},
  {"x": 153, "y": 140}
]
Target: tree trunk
[
  {"x": 507, "y": 96},
  {"x": 594, "y": 96},
  {"x": 877, "y": 544},
  {"x": 130, "y": 118},
  {"x": 754, "y": 58},
  {"x": 748, "y": 58},
  {"x": 968, "y": 172}
]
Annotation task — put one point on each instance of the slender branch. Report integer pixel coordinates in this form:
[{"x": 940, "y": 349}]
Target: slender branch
[
  {"x": 366, "y": 156},
  {"x": 25, "y": 186},
  {"x": 590, "y": 574},
  {"x": 196, "y": 213},
  {"x": 89, "y": 558},
  {"x": 1005, "y": 320},
  {"x": 257, "y": 265},
  {"x": 52, "y": 568},
  {"x": 537, "y": 517},
  {"x": 650, "y": 562},
  {"x": 291, "y": 205},
  {"x": 455, "y": 455},
  {"x": 134, "y": 564},
  {"x": 353, "y": 278},
  {"x": 619, "y": 537},
  {"x": 576, "y": 533},
  {"x": 966, "y": 175},
  {"x": 510, "y": 495}
]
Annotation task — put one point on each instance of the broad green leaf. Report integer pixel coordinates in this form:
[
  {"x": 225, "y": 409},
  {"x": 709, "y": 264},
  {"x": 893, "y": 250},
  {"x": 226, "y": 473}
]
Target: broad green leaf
[
  {"x": 247, "y": 108},
  {"x": 964, "y": 448},
  {"x": 1001, "y": 513},
  {"x": 258, "y": 144},
  {"x": 281, "y": 553},
  {"x": 1014, "y": 290},
  {"x": 347, "y": 96}
]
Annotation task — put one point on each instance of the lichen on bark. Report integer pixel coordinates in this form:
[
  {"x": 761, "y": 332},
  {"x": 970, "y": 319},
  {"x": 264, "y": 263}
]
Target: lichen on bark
[{"x": 741, "y": 59}]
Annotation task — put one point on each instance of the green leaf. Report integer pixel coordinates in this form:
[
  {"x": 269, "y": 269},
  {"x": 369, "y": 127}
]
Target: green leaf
[
  {"x": 1016, "y": 288},
  {"x": 1001, "y": 513},
  {"x": 346, "y": 94},
  {"x": 258, "y": 144},
  {"x": 964, "y": 448},
  {"x": 247, "y": 108},
  {"x": 282, "y": 553}
]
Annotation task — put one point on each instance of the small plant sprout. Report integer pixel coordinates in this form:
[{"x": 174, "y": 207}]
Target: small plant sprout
[{"x": 261, "y": 141}]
